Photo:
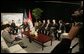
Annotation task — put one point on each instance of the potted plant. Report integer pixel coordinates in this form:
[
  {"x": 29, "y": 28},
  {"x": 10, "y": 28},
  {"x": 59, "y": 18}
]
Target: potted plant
[{"x": 37, "y": 13}]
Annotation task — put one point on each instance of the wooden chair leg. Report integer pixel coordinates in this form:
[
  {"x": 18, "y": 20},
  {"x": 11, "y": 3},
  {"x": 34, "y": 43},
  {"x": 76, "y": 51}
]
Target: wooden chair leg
[{"x": 42, "y": 47}]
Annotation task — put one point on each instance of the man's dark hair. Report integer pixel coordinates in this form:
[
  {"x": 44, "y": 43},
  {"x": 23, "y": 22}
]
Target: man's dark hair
[
  {"x": 12, "y": 20},
  {"x": 5, "y": 26}
]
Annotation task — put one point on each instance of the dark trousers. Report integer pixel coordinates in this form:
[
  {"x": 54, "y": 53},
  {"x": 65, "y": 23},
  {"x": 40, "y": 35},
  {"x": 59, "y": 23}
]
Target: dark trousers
[
  {"x": 55, "y": 33},
  {"x": 59, "y": 34},
  {"x": 42, "y": 30},
  {"x": 39, "y": 30},
  {"x": 46, "y": 32},
  {"x": 13, "y": 30}
]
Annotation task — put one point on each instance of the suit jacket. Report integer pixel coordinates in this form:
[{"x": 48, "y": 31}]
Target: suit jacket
[
  {"x": 48, "y": 26},
  {"x": 43, "y": 26},
  {"x": 7, "y": 37},
  {"x": 61, "y": 27},
  {"x": 13, "y": 25},
  {"x": 55, "y": 26}
]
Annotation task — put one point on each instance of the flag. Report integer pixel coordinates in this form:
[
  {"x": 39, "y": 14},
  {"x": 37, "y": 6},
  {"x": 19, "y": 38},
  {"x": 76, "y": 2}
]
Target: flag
[
  {"x": 32, "y": 29},
  {"x": 25, "y": 17},
  {"x": 30, "y": 20},
  {"x": 30, "y": 15}
]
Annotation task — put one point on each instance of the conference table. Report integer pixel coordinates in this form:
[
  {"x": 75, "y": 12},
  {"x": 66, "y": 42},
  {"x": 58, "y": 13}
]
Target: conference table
[{"x": 41, "y": 38}]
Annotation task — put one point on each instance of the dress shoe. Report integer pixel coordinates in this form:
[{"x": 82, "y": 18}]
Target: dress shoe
[{"x": 24, "y": 46}]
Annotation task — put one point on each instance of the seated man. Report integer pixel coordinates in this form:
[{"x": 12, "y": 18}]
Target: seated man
[
  {"x": 47, "y": 27},
  {"x": 53, "y": 28},
  {"x": 61, "y": 28},
  {"x": 42, "y": 27},
  {"x": 13, "y": 27},
  {"x": 11, "y": 39},
  {"x": 38, "y": 25}
]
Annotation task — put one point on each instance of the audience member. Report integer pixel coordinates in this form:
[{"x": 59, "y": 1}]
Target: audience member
[
  {"x": 47, "y": 28},
  {"x": 42, "y": 28},
  {"x": 53, "y": 28},
  {"x": 61, "y": 28}
]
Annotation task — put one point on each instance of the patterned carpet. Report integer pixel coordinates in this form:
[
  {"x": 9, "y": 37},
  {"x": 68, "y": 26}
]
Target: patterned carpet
[{"x": 37, "y": 48}]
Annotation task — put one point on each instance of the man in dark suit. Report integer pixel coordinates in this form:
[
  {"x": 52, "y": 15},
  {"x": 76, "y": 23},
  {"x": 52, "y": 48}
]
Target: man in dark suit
[
  {"x": 39, "y": 26},
  {"x": 42, "y": 28},
  {"x": 61, "y": 28},
  {"x": 14, "y": 27},
  {"x": 53, "y": 28},
  {"x": 47, "y": 28}
]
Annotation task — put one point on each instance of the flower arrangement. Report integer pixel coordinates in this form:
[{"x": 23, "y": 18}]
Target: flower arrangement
[{"x": 33, "y": 32}]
